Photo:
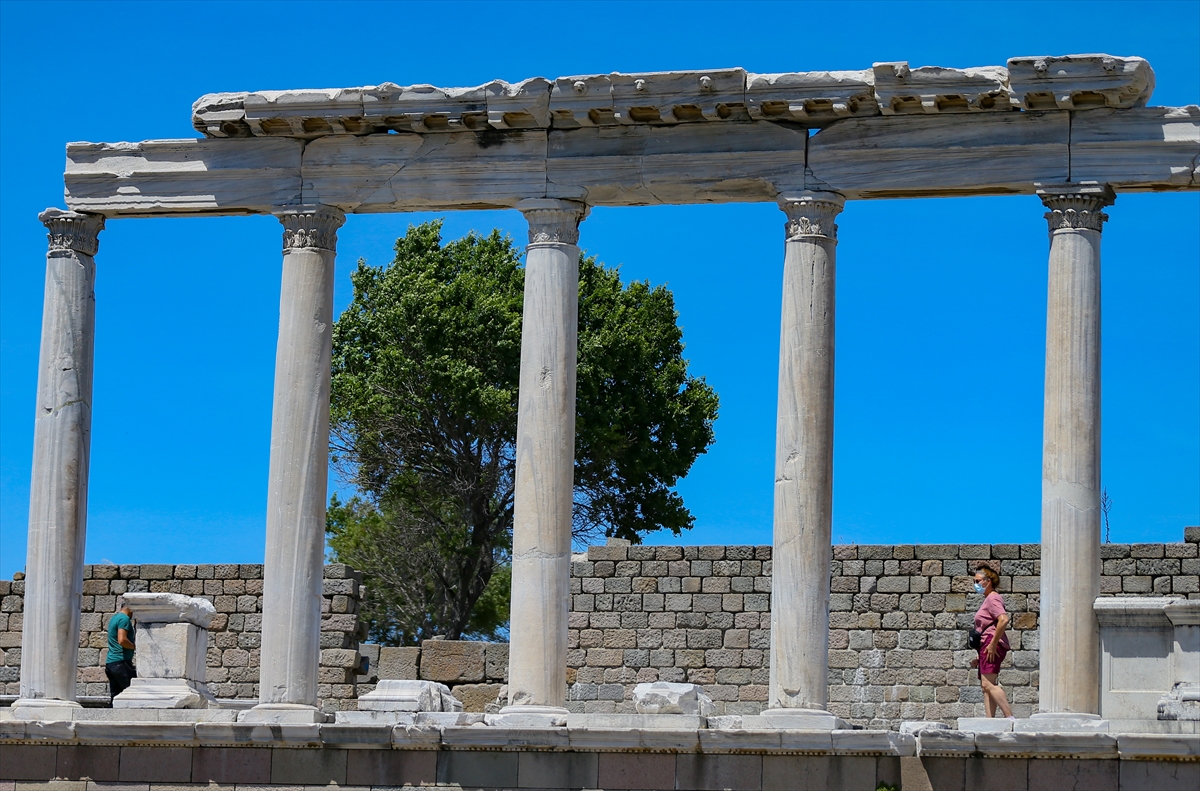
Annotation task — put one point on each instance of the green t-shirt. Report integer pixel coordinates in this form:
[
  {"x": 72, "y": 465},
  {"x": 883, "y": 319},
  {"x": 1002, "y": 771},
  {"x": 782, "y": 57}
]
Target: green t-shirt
[{"x": 116, "y": 652}]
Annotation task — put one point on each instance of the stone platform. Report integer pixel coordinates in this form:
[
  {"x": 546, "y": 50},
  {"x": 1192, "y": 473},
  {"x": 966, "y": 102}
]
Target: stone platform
[{"x": 60, "y": 756}]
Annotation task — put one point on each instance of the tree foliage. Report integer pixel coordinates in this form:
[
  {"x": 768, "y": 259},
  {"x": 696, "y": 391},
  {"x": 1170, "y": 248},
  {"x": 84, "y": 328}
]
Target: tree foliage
[{"x": 426, "y": 363}]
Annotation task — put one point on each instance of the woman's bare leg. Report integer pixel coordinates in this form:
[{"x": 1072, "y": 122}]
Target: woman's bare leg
[
  {"x": 994, "y": 695},
  {"x": 989, "y": 705}
]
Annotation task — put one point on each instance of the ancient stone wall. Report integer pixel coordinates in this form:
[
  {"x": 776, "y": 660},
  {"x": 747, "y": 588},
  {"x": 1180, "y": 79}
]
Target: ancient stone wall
[
  {"x": 898, "y": 622},
  {"x": 236, "y": 592}
]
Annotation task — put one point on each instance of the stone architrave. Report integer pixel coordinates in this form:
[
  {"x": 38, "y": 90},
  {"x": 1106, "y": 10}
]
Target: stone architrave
[
  {"x": 172, "y": 648},
  {"x": 1070, "y": 640},
  {"x": 295, "y": 553},
  {"x": 61, "y": 452},
  {"x": 798, "y": 692},
  {"x": 537, "y": 682}
]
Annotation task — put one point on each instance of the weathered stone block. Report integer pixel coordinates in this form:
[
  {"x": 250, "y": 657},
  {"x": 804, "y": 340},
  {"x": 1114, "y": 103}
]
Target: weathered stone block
[{"x": 452, "y": 661}]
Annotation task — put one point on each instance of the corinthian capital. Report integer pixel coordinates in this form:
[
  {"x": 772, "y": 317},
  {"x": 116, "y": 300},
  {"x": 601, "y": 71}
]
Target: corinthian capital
[
  {"x": 1076, "y": 206},
  {"x": 553, "y": 221},
  {"x": 311, "y": 227},
  {"x": 71, "y": 230},
  {"x": 812, "y": 214}
]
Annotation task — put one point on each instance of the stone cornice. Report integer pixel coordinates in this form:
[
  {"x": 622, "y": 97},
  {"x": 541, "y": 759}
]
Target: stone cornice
[
  {"x": 311, "y": 227},
  {"x": 812, "y": 214},
  {"x": 72, "y": 231},
  {"x": 553, "y": 221},
  {"x": 1069, "y": 82},
  {"x": 1076, "y": 206}
]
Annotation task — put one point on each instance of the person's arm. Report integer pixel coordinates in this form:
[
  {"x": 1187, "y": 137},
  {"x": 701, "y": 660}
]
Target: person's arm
[
  {"x": 123, "y": 639},
  {"x": 993, "y": 646}
]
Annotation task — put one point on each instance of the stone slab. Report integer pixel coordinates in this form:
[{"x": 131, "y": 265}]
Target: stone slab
[
  {"x": 985, "y": 724},
  {"x": 654, "y": 740},
  {"x": 793, "y": 721},
  {"x": 945, "y": 743},
  {"x": 1044, "y": 723},
  {"x": 506, "y": 738},
  {"x": 374, "y": 717},
  {"x": 674, "y": 722},
  {"x": 1058, "y": 745},
  {"x": 1158, "y": 746}
]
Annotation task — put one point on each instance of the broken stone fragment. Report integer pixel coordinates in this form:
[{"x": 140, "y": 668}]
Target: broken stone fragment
[
  {"x": 406, "y": 695},
  {"x": 663, "y": 697}
]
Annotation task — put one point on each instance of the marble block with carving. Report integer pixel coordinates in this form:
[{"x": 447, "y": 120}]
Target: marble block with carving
[{"x": 172, "y": 645}]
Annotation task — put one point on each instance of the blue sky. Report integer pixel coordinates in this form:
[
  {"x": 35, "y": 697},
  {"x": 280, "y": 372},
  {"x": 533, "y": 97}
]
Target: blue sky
[{"x": 941, "y": 303}]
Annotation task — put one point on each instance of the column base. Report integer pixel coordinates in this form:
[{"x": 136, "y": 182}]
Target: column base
[
  {"x": 44, "y": 709},
  {"x": 163, "y": 693},
  {"x": 528, "y": 717},
  {"x": 278, "y": 713},
  {"x": 795, "y": 719},
  {"x": 1061, "y": 721}
]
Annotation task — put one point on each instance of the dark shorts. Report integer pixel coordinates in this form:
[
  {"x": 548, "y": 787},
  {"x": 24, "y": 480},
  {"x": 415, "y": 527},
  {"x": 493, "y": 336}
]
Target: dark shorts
[
  {"x": 120, "y": 674},
  {"x": 986, "y": 666}
]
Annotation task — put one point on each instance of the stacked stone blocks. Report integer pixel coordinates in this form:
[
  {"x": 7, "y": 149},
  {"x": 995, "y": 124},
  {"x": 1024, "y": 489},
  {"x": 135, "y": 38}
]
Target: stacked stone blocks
[
  {"x": 234, "y": 636},
  {"x": 899, "y": 617},
  {"x": 474, "y": 671}
]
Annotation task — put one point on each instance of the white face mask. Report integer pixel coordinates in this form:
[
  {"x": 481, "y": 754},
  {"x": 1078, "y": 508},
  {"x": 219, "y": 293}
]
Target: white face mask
[{"x": 978, "y": 587}]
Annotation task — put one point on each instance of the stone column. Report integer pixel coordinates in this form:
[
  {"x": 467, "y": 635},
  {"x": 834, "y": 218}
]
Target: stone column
[
  {"x": 61, "y": 451},
  {"x": 537, "y": 669},
  {"x": 799, "y": 684},
  {"x": 295, "y": 554},
  {"x": 1070, "y": 637}
]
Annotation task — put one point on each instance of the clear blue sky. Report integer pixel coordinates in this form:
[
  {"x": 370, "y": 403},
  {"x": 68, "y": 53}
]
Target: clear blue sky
[{"x": 941, "y": 303}]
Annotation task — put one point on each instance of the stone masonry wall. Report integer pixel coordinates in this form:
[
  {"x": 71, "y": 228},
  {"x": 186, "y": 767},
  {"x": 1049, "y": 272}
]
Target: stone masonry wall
[
  {"x": 236, "y": 592},
  {"x": 898, "y": 622}
]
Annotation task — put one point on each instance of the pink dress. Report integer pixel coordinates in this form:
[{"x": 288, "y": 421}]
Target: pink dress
[{"x": 985, "y": 621}]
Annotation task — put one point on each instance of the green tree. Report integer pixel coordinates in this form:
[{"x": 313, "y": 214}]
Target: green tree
[{"x": 426, "y": 362}]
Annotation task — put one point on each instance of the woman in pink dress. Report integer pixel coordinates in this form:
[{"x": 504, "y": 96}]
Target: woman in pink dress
[{"x": 991, "y": 620}]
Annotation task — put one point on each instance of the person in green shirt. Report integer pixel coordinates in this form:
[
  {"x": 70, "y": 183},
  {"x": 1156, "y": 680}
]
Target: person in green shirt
[{"x": 119, "y": 662}]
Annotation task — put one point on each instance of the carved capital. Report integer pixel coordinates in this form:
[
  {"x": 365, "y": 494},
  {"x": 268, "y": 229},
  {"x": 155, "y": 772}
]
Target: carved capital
[
  {"x": 812, "y": 214},
  {"x": 72, "y": 231},
  {"x": 553, "y": 221},
  {"x": 1076, "y": 206},
  {"x": 311, "y": 227}
]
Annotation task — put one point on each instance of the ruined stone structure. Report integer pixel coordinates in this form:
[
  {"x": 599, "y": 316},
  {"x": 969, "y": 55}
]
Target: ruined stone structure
[{"x": 1074, "y": 130}]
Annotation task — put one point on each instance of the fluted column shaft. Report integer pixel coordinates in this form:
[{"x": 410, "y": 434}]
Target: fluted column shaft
[
  {"x": 61, "y": 452},
  {"x": 1070, "y": 640},
  {"x": 545, "y": 457},
  {"x": 804, "y": 458},
  {"x": 295, "y": 553}
]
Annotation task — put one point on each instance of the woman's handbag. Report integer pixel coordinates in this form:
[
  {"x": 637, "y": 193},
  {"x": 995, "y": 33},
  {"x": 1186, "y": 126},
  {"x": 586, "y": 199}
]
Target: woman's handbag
[{"x": 974, "y": 638}]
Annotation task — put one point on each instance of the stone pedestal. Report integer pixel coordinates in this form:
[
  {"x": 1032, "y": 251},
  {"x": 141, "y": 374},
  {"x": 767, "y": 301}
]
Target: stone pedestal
[
  {"x": 1070, "y": 643},
  {"x": 61, "y": 452},
  {"x": 544, "y": 468},
  {"x": 172, "y": 649},
  {"x": 798, "y": 691},
  {"x": 292, "y": 574},
  {"x": 1182, "y": 701}
]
